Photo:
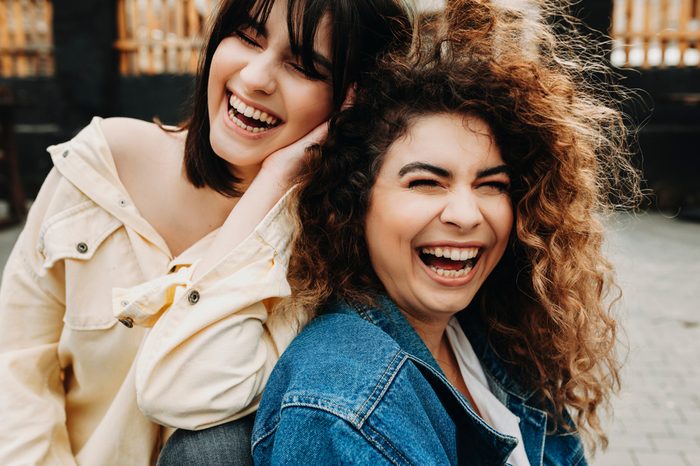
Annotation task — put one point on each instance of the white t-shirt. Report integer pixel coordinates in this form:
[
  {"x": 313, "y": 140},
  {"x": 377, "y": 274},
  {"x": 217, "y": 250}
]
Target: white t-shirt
[{"x": 495, "y": 413}]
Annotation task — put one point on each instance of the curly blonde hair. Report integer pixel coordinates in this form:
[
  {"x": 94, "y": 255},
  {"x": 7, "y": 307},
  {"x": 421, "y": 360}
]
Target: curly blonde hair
[{"x": 545, "y": 303}]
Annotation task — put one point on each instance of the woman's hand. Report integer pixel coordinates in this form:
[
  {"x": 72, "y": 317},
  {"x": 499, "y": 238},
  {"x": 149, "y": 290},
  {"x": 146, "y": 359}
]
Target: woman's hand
[
  {"x": 269, "y": 185},
  {"x": 284, "y": 164}
]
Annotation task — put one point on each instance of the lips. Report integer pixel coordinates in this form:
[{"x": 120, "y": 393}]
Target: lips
[
  {"x": 449, "y": 261},
  {"x": 248, "y": 117}
]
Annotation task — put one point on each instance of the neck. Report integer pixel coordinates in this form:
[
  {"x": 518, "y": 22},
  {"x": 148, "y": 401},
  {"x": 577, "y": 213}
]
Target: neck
[
  {"x": 247, "y": 174},
  {"x": 432, "y": 332}
]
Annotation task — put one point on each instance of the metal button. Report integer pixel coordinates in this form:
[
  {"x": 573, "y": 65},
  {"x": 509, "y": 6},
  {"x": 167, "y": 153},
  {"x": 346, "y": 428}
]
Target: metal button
[
  {"x": 82, "y": 248},
  {"x": 65, "y": 154},
  {"x": 128, "y": 322},
  {"x": 193, "y": 297}
]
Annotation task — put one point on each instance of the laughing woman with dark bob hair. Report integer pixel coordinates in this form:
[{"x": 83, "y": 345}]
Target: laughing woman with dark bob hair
[
  {"x": 138, "y": 297},
  {"x": 450, "y": 246}
]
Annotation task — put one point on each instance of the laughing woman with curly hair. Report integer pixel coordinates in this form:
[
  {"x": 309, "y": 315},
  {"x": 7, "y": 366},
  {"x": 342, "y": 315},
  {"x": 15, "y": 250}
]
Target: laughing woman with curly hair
[{"x": 450, "y": 246}]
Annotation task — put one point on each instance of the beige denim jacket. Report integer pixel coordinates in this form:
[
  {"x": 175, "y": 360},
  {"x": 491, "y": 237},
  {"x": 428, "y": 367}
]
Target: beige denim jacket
[{"x": 72, "y": 376}]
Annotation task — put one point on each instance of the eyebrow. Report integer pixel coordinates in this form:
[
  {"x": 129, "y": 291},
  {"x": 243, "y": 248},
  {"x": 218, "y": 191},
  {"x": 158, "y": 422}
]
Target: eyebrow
[
  {"x": 422, "y": 166},
  {"x": 493, "y": 171},
  {"x": 262, "y": 30},
  {"x": 443, "y": 173}
]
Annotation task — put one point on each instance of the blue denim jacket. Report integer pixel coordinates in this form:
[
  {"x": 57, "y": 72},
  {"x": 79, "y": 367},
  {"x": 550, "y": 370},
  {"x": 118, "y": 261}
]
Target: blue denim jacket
[{"x": 358, "y": 386}]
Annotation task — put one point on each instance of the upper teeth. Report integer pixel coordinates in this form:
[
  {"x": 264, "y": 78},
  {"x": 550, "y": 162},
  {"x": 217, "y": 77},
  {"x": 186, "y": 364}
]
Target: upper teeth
[
  {"x": 455, "y": 254},
  {"x": 251, "y": 112}
]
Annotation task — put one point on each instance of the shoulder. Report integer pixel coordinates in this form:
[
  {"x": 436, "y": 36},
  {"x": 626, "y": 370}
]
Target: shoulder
[
  {"x": 134, "y": 143},
  {"x": 340, "y": 339},
  {"x": 337, "y": 356}
]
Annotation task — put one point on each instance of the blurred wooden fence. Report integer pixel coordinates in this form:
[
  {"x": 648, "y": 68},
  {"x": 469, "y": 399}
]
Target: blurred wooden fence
[
  {"x": 656, "y": 33},
  {"x": 26, "y": 44},
  {"x": 160, "y": 36}
]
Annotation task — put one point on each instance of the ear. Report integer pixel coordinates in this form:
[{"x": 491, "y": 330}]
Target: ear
[{"x": 349, "y": 97}]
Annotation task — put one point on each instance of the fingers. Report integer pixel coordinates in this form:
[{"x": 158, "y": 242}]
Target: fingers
[{"x": 316, "y": 135}]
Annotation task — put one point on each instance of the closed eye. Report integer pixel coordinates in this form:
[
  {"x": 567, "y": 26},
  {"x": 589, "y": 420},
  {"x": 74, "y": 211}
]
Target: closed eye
[
  {"x": 247, "y": 39},
  {"x": 498, "y": 186},
  {"x": 308, "y": 74},
  {"x": 423, "y": 183}
]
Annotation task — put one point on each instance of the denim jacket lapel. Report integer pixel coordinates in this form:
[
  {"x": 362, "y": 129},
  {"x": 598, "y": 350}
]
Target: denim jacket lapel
[{"x": 473, "y": 431}]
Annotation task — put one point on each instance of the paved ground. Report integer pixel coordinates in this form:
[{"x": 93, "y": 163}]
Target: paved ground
[{"x": 657, "y": 415}]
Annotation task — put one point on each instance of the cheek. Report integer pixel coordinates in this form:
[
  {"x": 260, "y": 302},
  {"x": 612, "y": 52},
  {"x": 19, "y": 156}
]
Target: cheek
[
  {"x": 311, "y": 102},
  {"x": 500, "y": 218}
]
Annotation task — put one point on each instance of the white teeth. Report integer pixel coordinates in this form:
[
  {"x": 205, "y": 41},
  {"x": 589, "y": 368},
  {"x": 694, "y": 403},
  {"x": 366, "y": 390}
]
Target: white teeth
[
  {"x": 455, "y": 254},
  {"x": 451, "y": 273},
  {"x": 251, "y": 112}
]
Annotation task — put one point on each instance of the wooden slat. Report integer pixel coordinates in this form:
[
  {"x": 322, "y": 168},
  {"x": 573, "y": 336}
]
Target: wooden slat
[
  {"x": 47, "y": 36},
  {"x": 18, "y": 38},
  {"x": 646, "y": 32},
  {"x": 5, "y": 58},
  {"x": 180, "y": 32},
  {"x": 628, "y": 15},
  {"x": 684, "y": 17},
  {"x": 193, "y": 30},
  {"x": 121, "y": 35}
]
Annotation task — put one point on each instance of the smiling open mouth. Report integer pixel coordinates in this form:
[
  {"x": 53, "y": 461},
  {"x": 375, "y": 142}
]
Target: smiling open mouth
[
  {"x": 249, "y": 118},
  {"x": 450, "y": 262}
]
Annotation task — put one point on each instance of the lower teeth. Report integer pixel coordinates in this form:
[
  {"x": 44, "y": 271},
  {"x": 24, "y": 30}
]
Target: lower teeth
[
  {"x": 242, "y": 125},
  {"x": 451, "y": 273}
]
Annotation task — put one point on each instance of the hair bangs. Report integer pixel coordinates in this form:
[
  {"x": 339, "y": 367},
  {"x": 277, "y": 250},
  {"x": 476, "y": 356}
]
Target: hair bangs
[{"x": 303, "y": 20}]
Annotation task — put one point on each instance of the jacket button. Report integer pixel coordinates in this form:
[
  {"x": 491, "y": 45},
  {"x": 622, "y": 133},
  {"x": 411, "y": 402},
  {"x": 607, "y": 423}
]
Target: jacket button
[
  {"x": 65, "y": 154},
  {"x": 193, "y": 297},
  {"x": 82, "y": 248},
  {"x": 128, "y": 322}
]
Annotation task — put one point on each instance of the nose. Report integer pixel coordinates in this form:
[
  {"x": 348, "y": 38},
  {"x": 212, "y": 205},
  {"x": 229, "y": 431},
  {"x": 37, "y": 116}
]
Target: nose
[
  {"x": 259, "y": 74},
  {"x": 462, "y": 209}
]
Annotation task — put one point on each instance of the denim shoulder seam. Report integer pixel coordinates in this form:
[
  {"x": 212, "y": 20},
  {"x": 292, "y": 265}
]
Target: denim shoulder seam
[
  {"x": 265, "y": 434},
  {"x": 383, "y": 444},
  {"x": 383, "y": 384}
]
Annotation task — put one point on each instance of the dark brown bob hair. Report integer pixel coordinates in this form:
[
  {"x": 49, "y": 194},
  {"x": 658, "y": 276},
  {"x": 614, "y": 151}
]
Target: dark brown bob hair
[
  {"x": 543, "y": 306},
  {"x": 360, "y": 31}
]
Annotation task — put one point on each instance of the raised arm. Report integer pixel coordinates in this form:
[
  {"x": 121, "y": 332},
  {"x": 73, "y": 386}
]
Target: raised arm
[{"x": 213, "y": 343}]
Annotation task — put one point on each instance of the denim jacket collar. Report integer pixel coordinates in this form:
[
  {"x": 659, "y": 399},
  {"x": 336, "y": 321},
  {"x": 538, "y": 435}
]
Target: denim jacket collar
[{"x": 389, "y": 318}]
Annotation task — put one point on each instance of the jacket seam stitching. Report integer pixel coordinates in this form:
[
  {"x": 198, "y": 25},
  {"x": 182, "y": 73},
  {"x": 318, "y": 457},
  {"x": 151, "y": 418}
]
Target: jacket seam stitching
[
  {"x": 381, "y": 447},
  {"x": 393, "y": 368}
]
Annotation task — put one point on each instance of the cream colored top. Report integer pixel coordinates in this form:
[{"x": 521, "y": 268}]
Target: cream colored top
[{"x": 70, "y": 377}]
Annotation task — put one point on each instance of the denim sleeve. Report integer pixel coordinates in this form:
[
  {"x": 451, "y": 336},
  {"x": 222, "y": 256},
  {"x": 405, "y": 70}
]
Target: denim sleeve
[{"x": 311, "y": 436}]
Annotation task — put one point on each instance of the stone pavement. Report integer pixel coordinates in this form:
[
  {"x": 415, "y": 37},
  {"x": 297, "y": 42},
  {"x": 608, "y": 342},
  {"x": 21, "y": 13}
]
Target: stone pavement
[
  {"x": 7, "y": 240},
  {"x": 657, "y": 415}
]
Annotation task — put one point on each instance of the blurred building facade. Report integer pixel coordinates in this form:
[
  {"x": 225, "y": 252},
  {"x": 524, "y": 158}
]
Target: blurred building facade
[{"x": 67, "y": 60}]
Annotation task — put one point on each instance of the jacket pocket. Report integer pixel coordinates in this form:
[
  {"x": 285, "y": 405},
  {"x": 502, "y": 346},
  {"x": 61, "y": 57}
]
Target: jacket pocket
[
  {"x": 86, "y": 241},
  {"x": 75, "y": 233}
]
